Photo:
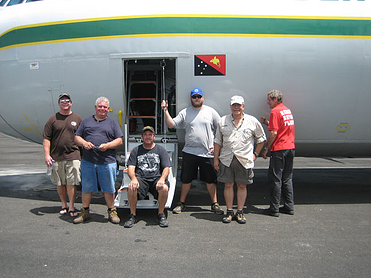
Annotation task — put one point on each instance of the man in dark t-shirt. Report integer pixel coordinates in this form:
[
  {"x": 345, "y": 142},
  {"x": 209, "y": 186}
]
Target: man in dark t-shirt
[
  {"x": 62, "y": 153},
  {"x": 100, "y": 136},
  {"x": 149, "y": 166}
]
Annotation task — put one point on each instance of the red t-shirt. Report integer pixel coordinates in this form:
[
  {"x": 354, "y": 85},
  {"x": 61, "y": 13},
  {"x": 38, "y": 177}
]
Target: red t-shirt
[{"x": 282, "y": 121}]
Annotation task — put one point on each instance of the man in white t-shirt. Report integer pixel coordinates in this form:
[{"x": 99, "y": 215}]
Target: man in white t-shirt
[{"x": 200, "y": 122}]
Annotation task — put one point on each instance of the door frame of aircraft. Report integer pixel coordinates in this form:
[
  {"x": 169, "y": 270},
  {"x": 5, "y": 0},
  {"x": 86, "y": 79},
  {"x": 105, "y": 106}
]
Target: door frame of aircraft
[
  {"x": 166, "y": 64},
  {"x": 147, "y": 81}
]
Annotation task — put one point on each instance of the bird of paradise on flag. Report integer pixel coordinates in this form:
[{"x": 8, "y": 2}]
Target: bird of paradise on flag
[{"x": 210, "y": 65}]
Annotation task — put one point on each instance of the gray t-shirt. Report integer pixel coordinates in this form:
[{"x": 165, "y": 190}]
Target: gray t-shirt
[{"x": 200, "y": 126}]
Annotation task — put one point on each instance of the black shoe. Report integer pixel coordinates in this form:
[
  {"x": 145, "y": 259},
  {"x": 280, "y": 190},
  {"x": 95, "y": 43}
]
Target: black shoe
[
  {"x": 268, "y": 211},
  {"x": 179, "y": 208},
  {"x": 130, "y": 223},
  {"x": 240, "y": 217},
  {"x": 217, "y": 209},
  {"x": 286, "y": 211},
  {"x": 228, "y": 217},
  {"x": 162, "y": 220}
]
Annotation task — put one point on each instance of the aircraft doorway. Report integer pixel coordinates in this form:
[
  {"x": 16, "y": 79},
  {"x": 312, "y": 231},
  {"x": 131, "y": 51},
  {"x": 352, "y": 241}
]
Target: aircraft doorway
[{"x": 147, "y": 83}]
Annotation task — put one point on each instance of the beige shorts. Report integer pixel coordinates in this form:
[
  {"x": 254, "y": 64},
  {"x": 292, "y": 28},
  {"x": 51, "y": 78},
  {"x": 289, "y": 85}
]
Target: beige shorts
[
  {"x": 235, "y": 173},
  {"x": 66, "y": 172}
]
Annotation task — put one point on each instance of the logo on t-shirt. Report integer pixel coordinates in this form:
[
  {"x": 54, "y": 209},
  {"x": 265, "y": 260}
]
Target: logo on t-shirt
[
  {"x": 149, "y": 162},
  {"x": 287, "y": 117},
  {"x": 73, "y": 123}
]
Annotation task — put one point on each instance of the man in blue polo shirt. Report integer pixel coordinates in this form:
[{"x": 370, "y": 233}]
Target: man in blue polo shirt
[{"x": 99, "y": 136}]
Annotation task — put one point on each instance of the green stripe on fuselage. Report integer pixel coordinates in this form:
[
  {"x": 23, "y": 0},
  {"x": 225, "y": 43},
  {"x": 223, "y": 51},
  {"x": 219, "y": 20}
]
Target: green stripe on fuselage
[{"x": 178, "y": 26}]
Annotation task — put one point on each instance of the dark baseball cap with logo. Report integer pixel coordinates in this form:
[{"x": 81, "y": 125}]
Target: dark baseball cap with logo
[
  {"x": 148, "y": 128},
  {"x": 64, "y": 95}
]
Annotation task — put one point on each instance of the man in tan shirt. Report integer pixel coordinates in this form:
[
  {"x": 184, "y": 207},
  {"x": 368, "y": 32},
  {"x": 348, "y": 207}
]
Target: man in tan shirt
[{"x": 234, "y": 154}]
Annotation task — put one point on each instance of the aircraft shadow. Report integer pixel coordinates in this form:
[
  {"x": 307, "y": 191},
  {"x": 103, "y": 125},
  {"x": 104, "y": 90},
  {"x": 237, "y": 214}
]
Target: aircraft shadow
[{"x": 311, "y": 186}]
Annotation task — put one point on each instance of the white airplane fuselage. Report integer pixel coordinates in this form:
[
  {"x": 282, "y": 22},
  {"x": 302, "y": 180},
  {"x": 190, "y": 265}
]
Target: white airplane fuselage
[{"x": 318, "y": 53}]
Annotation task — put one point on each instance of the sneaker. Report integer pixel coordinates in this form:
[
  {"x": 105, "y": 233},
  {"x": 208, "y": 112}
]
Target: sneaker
[
  {"x": 130, "y": 223},
  {"x": 179, "y": 208},
  {"x": 286, "y": 210},
  {"x": 83, "y": 216},
  {"x": 228, "y": 217},
  {"x": 240, "y": 217},
  {"x": 113, "y": 217},
  {"x": 269, "y": 212},
  {"x": 217, "y": 209},
  {"x": 162, "y": 220}
]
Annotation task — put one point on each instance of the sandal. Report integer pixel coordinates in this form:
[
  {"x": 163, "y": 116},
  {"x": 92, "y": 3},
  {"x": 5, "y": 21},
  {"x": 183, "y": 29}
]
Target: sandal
[
  {"x": 63, "y": 211},
  {"x": 73, "y": 213}
]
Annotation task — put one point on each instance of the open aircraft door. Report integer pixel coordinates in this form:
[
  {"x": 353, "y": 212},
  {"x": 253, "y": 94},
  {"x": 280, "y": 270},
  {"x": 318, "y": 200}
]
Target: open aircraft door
[{"x": 147, "y": 83}]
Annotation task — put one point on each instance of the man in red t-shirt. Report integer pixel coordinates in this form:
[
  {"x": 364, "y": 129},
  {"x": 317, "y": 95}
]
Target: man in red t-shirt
[{"x": 281, "y": 142}]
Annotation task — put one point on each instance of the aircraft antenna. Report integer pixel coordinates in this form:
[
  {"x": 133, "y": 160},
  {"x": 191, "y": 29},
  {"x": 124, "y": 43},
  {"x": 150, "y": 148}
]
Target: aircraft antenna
[
  {"x": 126, "y": 66},
  {"x": 163, "y": 93}
]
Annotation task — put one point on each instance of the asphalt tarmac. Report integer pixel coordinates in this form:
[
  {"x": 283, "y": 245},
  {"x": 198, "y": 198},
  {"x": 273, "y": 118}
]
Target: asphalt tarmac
[{"x": 329, "y": 235}]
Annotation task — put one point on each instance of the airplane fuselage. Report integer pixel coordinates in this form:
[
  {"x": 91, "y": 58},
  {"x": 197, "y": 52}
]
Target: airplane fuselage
[{"x": 318, "y": 53}]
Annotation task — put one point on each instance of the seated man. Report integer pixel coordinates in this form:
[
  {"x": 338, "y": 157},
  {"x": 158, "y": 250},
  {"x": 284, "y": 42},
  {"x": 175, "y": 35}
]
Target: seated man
[{"x": 149, "y": 165}]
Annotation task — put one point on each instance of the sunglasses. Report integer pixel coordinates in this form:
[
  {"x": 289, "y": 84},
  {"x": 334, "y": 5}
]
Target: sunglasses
[
  {"x": 65, "y": 100},
  {"x": 198, "y": 96}
]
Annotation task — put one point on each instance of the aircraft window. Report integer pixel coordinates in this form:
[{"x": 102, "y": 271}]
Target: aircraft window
[
  {"x": 14, "y": 2},
  {"x": 32, "y": 1},
  {"x": 3, "y": 2}
]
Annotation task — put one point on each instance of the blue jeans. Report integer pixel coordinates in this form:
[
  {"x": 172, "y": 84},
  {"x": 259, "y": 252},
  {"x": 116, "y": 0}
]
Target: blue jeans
[
  {"x": 280, "y": 179},
  {"x": 92, "y": 173}
]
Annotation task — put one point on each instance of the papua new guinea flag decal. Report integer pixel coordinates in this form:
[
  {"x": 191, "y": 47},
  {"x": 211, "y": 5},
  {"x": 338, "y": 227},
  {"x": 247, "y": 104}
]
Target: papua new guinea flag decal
[{"x": 210, "y": 65}]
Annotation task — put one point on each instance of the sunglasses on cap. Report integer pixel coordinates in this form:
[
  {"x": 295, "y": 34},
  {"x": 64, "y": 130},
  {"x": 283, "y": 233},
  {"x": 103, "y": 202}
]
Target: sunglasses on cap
[{"x": 196, "y": 96}]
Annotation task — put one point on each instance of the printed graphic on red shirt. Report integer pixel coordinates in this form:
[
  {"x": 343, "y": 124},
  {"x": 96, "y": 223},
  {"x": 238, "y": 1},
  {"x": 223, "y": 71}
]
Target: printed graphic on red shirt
[
  {"x": 282, "y": 121},
  {"x": 287, "y": 117}
]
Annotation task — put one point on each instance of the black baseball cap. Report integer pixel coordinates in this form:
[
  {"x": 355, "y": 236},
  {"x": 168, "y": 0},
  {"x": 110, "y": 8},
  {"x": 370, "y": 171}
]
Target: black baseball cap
[{"x": 148, "y": 128}]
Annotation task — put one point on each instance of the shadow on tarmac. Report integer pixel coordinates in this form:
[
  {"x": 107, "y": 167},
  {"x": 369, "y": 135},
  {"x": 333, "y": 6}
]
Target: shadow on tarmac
[
  {"x": 311, "y": 186},
  {"x": 41, "y": 211},
  {"x": 327, "y": 237}
]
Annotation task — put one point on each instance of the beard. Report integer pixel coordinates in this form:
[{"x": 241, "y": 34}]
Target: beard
[{"x": 197, "y": 105}]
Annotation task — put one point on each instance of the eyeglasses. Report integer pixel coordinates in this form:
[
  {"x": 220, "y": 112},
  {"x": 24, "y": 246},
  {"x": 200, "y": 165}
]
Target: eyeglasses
[
  {"x": 196, "y": 96},
  {"x": 65, "y": 100}
]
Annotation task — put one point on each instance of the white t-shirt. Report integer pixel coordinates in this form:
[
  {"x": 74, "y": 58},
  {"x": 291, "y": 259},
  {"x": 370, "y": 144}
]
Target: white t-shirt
[{"x": 200, "y": 126}]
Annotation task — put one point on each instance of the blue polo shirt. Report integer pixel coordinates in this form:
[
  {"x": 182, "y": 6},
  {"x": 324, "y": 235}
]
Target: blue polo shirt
[{"x": 99, "y": 132}]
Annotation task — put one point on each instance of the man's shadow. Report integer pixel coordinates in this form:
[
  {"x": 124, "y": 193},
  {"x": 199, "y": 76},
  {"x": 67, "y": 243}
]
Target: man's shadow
[
  {"x": 203, "y": 214},
  {"x": 94, "y": 217}
]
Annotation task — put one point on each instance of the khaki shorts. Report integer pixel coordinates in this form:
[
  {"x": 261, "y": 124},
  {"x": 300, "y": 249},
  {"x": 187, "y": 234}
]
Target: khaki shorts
[
  {"x": 235, "y": 173},
  {"x": 66, "y": 172}
]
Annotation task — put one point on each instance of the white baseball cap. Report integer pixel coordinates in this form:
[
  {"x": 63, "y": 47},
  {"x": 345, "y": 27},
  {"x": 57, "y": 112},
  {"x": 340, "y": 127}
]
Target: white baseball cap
[{"x": 237, "y": 99}]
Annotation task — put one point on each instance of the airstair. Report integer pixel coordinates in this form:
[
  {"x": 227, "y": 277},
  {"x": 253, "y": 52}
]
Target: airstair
[{"x": 143, "y": 109}]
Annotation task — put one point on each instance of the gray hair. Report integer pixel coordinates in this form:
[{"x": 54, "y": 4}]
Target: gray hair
[
  {"x": 102, "y": 99},
  {"x": 276, "y": 94}
]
